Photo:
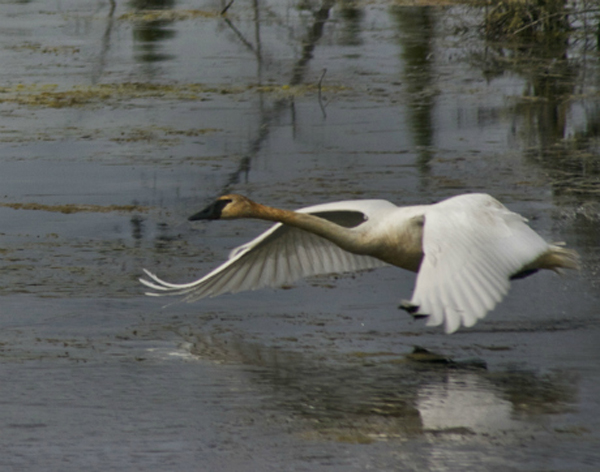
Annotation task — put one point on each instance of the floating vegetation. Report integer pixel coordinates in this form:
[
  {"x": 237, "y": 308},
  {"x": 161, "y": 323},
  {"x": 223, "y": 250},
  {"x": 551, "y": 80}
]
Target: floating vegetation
[
  {"x": 161, "y": 134},
  {"x": 47, "y": 95},
  {"x": 167, "y": 15},
  {"x": 431, "y": 3},
  {"x": 291, "y": 91},
  {"x": 75, "y": 208},
  {"x": 38, "y": 48}
]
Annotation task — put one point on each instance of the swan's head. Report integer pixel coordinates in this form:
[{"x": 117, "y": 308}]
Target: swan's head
[{"x": 226, "y": 207}]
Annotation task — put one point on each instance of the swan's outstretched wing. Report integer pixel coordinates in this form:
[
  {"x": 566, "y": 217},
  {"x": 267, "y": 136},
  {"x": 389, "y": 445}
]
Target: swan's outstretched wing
[
  {"x": 280, "y": 256},
  {"x": 472, "y": 246}
]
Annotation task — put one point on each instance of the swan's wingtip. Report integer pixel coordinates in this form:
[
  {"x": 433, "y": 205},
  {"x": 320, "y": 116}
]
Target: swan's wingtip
[{"x": 144, "y": 281}]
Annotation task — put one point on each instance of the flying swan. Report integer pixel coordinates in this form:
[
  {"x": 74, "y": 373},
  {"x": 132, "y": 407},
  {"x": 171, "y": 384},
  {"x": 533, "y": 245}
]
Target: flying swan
[{"x": 465, "y": 250}]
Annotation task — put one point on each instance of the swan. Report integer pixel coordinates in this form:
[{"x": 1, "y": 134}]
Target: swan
[{"x": 465, "y": 250}]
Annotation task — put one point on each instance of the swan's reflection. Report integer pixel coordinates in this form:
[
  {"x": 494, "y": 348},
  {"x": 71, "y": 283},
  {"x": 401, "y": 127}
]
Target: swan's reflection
[
  {"x": 464, "y": 401},
  {"x": 391, "y": 396}
]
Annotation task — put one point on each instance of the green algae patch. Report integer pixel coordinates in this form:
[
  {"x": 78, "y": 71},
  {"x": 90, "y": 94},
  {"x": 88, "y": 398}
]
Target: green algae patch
[
  {"x": 49, "y": 95},
  {"x": 75, "y": 208},
  {"x": 161, "y": 134},
  {"x": 292, "y": 91},
  {"x": 168, "y": 15}
]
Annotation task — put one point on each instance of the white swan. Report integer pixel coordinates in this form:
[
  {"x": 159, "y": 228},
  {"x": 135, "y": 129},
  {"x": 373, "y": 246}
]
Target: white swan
[{"x": 465, "y": 250}]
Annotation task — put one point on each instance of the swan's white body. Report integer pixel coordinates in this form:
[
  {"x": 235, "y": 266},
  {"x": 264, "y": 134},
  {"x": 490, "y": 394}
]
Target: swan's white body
[{"x": 465, "y": 250}]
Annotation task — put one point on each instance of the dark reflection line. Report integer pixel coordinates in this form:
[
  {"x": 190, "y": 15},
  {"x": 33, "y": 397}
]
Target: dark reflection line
[
  {"x": 314, "y": 35},
  {"x": 99, "y": 69},
  {"x": 227, "y": 7},
  {"x": 241, "y": 37},
  {"x": 320, "y": 95},
  {"x": 257, "y": 39}
]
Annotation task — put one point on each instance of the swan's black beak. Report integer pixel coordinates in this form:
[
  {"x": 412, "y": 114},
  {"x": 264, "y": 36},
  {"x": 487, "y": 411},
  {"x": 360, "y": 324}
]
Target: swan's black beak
[{"x": 211, "y": 212}]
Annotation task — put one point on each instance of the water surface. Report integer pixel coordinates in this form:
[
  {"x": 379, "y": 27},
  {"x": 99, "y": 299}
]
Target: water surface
[{"x": 117, "y": 121}]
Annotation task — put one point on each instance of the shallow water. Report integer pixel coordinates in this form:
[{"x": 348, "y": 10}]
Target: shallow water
[{"x": 118, "y": 123}]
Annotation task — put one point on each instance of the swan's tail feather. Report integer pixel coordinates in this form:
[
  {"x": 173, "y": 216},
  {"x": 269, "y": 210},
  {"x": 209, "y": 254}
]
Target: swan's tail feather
[
  {"x": 559, "y": 257},
  {"x": 556, "y": 258}
]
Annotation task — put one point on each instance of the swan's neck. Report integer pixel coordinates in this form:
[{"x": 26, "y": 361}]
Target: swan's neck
[
  {"x": 346, "y": 238},
  {"x": 400, "y": 247}
]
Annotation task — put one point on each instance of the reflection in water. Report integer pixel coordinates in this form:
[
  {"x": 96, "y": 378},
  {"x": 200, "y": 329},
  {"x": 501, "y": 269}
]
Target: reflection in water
[
  {"x": 98, "y": 68},
  {"x": 528, "y": 22},
  {"x": 416, "y": 25},
  {"x": 359, "y": 401},
  {"x": 464, "y": 400},
  {"x": 554, "y": 119},
  {"x": 541, "y": 116},
  {"x": 270, "y": 115},
  {"x": 152, "y": 4},
  {"x": 149, "y": 35},
  {"x": 137, "y": 229},
  {"x": 550, "y": 78},
  {"x": 352, "y": 17},
  {"x": 314, "y": 34}
]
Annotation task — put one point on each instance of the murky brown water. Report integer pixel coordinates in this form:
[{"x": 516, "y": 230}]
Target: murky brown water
[{"x": 118, "y": 123}]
